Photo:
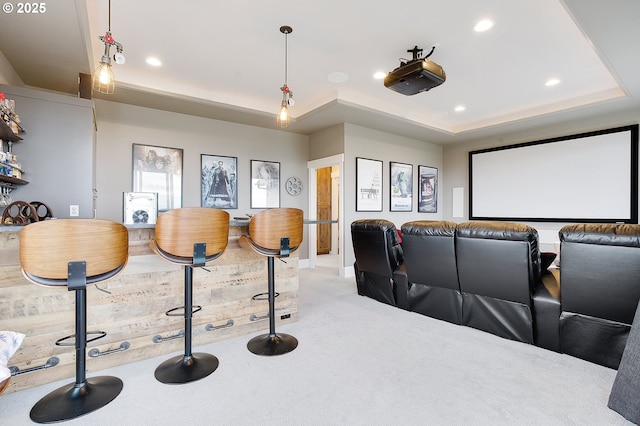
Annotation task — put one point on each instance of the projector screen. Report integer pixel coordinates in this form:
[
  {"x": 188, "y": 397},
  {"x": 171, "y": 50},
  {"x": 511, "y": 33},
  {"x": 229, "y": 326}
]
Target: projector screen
[{"x": 590, "y": 177}]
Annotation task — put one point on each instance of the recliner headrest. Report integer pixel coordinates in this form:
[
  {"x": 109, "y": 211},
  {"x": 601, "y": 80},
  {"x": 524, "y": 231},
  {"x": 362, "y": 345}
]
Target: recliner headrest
[
  {"x": 497, "y": 231},
  {"x": 436, "y": 228},
  {"x": 381, "y": 225},
  {"x": 612, "y": 234}
]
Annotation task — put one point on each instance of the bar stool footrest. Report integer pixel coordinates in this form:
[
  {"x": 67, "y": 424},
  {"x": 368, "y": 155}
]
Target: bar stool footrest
[
  {"x": 170, "y": 312},
  {"x": 63, "y": 341},
  {"x": 263, "y": 296}
]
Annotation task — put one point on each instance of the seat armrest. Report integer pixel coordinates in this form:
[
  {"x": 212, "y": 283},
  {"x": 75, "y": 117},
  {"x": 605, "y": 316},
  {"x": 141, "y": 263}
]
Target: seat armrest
[
  {"x": 546, "y": 305},
  {"x": 401, "y": 287}
]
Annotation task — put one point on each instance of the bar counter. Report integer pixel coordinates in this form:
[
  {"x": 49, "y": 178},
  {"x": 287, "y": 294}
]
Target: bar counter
[{"x": 131, "y": 307}]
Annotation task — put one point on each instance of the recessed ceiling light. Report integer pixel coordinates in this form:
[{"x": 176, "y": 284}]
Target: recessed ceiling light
[
  {"x": 552, "y": 82},
  {"x": 154, "y": 62},
  {"x": 379, "y": 75},
  {"x": 460, "y": 108},
  {"x": 338, "y": 77},
  {"x": 483, "y": 25}
]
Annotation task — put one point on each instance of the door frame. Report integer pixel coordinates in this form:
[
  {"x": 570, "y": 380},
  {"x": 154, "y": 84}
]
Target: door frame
[{"x": 312, "y": 235}]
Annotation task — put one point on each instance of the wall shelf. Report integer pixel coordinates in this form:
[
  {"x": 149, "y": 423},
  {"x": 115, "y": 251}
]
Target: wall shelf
[
  {"x": 6, "y": 134},
  {"x": 9, "y": 181}
]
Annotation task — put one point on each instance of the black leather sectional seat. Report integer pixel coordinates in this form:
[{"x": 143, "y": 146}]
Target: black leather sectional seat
[
  {"x": 489, "y": 275},
  {"x": 498, "y": 269},
  {"x": 378, "y": 258},
  {"x": 430, "y": 265},
  {"x": 600, "y": 277}
]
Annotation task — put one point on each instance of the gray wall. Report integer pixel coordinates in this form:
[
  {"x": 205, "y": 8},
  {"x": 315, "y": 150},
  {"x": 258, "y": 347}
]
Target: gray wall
[
  {"x": 367, "y": 143},
  {"x": 327, "y": 142},
  {"x": 56, "y": 153},
  {"x": 8, "y": 75},
  {"x": 119, "y": 126}
]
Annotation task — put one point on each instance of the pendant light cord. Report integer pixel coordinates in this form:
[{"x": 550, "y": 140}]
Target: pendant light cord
[
  {"x": 109, "y": 15},
  {"x": 286, "y": 50}
]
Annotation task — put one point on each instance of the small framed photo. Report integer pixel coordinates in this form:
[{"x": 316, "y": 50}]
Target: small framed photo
[
  {"x": 368, "y": 185},
  {"x": 158, "y": 169},
  {"x": 401, "y": 184},
  {"x": 219, "y": 181},
  {"x": 140, "y": 208},
  {"x": 265, "y": 184},
  {"x": 428, "y": 181}
]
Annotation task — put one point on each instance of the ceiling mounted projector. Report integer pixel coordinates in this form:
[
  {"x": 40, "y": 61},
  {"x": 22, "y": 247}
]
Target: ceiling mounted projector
[{"x": 415, "y": 76}]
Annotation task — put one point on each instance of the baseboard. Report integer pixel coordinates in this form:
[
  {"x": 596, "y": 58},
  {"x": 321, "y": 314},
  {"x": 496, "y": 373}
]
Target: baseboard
[{"x": 348, "y": 272}]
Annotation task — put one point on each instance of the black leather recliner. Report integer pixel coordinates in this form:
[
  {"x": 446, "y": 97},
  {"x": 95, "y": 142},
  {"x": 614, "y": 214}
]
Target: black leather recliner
[
  {"x": 600, "y": 289},
  {"x": 378, "y": 257},
  {"x": 430, "y": 264},
  {"x": 498, "y": 270}
]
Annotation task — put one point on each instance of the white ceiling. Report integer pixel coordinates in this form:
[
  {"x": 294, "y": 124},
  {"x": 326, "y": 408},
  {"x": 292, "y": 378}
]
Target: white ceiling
[{"x": 225, "y": 60}]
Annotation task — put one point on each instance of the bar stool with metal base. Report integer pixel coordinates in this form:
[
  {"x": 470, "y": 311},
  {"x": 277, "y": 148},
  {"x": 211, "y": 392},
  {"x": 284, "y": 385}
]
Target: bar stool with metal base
[
  {"x": 190, "y": 236},
  {"x": 72, "y": 253},
  {"x": 273, "y": 233}
]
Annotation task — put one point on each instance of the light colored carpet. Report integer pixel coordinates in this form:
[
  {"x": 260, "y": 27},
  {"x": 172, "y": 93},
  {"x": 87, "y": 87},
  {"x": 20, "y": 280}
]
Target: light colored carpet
[{"x": 359, "y": 362}]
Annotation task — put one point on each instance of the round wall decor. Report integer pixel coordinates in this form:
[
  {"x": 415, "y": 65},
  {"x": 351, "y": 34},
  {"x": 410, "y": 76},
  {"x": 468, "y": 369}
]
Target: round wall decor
[
  {"x": 140, "y": 216},
  {"x": 293, "y": 186}
]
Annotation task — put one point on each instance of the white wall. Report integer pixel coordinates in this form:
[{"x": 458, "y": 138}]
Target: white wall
[{"x": 120, "y": 125}]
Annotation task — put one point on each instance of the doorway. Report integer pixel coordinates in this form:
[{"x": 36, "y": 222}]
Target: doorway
[
  {"x": 324, "y": 212},
  {"x": 335, "y": 237}
]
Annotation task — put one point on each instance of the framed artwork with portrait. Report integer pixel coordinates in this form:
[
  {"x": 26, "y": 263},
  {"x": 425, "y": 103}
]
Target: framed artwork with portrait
[
  {"x": 368, "y": 185},
  {"x": 265, "y": 184},
  {"x": 428, "y": 181},
  {"x": 158, "y": 169},
  {"x": 218, "y": 181},
  {"x": 401, "y": 184}
]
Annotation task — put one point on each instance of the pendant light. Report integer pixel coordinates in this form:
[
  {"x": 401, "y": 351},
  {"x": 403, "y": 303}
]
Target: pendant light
[
  {"x": 103, "y": 79},
  {"x": 284, "y": 118}
]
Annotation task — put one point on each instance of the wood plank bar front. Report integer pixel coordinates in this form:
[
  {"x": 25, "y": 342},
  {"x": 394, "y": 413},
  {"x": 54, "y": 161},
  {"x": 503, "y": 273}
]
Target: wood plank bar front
[{"x": 134, "y": 308}]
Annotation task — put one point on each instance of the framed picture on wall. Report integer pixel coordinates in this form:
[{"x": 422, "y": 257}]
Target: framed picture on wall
[
  {"x": 140, "y": 208},
  {"x": 218, "y": 181},
  {"x": 401, "y": 184},
  {"x": 428, "y": 181},
  {"x": 265, "y": 184},
  {"x": 158, "y": 169},
  {"x": 368, "y": 185}
]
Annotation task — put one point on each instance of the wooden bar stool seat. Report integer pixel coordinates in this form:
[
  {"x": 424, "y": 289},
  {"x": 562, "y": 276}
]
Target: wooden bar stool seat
[
  {"x": 72, "y": 253},
  {"x": 273, "y": 233},
  {"x": 191, "y": 237}
]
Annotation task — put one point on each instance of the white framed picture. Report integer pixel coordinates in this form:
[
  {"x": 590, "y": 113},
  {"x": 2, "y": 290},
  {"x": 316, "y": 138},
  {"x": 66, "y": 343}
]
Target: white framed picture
[
  {"x": 265, "y": 184},
  {"x": 219, "y": 181},
  {"x": 140, "y": 208},
  {"x": 368, "y": 185},
  {"x": 158, "y": 169},
  {"x": 401, "y": 184},
  {"x": 428, "y": 181}
]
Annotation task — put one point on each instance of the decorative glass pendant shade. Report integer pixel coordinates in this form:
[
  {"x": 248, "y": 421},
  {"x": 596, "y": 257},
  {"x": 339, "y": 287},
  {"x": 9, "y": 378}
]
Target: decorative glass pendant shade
[
  {"x": 284, "y": 118},
  {"x": 103, "y": 79}
]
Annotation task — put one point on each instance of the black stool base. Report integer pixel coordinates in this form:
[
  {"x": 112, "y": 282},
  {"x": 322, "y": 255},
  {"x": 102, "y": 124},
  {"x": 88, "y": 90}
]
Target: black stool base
[
  {"x": 184, "y": 369},
  {"x": 277, "y": 344},
  {"x": 73, "y": 400}
]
